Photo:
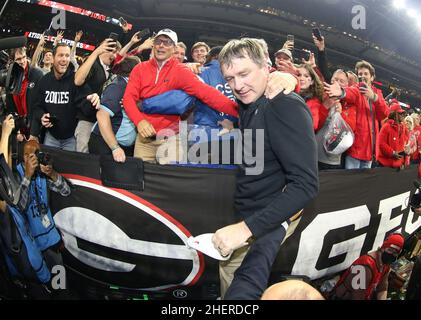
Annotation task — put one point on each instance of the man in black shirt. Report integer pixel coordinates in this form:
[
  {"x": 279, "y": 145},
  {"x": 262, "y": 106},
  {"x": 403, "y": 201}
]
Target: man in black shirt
[
  {"x": 94, "y": 73},
  {"x": 57, "y": 103},
  {"x": 268, "y": 197}
]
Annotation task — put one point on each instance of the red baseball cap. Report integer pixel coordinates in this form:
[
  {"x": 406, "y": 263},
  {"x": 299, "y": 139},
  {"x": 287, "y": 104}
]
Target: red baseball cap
[
  {"x": 395, "y": 107},
  {"x": 394, "y": 241}
]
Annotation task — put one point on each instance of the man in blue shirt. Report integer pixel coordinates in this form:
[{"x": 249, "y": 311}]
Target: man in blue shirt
[{"x": 114, "y": 133}]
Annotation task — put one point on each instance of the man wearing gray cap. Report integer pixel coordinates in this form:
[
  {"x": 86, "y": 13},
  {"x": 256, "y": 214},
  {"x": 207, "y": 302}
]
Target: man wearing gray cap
[{"x": 162, "y": 73}]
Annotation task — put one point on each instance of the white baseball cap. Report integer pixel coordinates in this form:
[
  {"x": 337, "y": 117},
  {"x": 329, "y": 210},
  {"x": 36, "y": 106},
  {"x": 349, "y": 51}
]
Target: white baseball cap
[{"x": 170, "y": 34}]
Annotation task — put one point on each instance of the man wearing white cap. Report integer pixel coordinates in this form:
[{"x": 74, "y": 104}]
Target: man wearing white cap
[
  {"x": 160, "y": 74},
  {"x": 283, "y": 55}
]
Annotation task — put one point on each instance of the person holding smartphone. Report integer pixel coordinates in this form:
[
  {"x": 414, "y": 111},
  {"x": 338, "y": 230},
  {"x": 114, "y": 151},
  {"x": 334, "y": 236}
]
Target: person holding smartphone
[
  {"x": 393, "y": 138},
  {"x": 94, "y": 72},
  {"x": 370, "y": 110}
]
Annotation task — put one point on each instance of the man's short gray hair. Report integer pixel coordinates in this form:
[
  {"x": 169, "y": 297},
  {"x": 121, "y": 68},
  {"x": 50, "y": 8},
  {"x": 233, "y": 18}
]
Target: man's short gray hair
[{"x": 243, "y": 48}]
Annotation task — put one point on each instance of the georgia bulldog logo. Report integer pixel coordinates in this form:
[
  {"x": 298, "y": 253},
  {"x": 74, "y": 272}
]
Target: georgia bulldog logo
[{"x": 124, "y": 240}]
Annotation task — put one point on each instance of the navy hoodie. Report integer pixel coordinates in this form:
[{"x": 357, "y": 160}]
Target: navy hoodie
[{"x": 61, "y": 99}]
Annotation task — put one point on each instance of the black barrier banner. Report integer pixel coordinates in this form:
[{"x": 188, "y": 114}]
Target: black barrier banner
[{"x": 137, "y": 240}]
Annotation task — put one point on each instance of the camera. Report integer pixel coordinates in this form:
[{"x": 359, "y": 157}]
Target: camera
[
  {"x": 44, "y": 158},
  {"x": 20, "y": 121},
  {"x": 11, "y": 76}
]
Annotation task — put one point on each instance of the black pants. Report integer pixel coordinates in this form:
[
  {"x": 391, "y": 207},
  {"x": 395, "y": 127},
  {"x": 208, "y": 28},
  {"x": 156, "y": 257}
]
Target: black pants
[{"x": 97, "y": 145}]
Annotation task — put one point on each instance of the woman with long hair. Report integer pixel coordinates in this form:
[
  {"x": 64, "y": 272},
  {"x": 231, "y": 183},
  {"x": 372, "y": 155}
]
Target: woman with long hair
[{"x": 312, "y": 92}]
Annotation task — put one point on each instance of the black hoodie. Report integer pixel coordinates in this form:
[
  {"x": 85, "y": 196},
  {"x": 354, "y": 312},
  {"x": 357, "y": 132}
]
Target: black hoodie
[{"x": 61, "y": 99}]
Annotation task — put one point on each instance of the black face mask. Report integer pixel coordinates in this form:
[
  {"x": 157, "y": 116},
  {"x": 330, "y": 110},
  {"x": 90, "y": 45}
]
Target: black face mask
[{"x": 388, "y": 258}]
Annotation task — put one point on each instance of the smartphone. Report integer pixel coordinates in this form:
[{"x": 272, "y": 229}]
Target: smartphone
[
  {"x": 300, "y": 54},
  {"x": 402, "y": 153},
  {"x": 361, "y": 82},
  {"x": 122, "y": 21},
  {"x": 53, "y": 119},
  {"x": 144, "y": 32},
  {"x": 114, "y": 36},
  {"x": 317, "y": 33},
  {"x": 290, "y": 37}
]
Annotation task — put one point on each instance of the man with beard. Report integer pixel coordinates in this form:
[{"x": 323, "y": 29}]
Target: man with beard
[{"x": 56, "y": 104}]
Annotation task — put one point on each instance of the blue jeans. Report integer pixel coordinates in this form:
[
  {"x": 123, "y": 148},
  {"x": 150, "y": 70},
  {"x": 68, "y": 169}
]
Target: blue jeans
[
  {"x": 352, "y": 163},
  {"x": 68, "y": 144}
]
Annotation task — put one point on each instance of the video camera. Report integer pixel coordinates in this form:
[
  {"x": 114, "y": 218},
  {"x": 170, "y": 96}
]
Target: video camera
[{"x": 11, "y": 74}]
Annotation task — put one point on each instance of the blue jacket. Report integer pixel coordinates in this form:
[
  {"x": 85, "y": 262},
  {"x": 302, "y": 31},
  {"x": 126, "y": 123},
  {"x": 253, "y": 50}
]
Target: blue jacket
[
  {"x": 28, "y": 260},
  {"x": 41, "y": 225},
  {"x": 178, "y": 102}
]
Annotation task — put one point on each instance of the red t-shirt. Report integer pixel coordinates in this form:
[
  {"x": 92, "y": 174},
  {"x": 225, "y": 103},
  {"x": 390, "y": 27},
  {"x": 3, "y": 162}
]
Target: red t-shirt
[{"x": 20, "y": 99}]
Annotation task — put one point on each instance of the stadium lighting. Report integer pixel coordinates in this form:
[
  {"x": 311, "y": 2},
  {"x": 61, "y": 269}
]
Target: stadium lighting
[
  {"x": 412, "y": 13},
  {"x": 399, "y": 4}
]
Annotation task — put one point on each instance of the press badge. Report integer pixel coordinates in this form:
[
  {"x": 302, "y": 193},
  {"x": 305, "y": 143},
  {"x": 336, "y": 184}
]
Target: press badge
[{"x": 45, "y": 221}]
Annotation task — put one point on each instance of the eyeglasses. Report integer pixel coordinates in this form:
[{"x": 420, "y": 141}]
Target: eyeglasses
[{"x": 166, "y": 42}]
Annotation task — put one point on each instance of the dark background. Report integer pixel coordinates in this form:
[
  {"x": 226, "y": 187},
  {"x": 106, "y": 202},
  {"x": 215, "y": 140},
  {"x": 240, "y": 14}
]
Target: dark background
[{"x": 391, "y": 40}]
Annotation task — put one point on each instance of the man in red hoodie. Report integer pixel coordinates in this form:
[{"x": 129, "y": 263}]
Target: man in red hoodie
[{"x": 158, "y": 138}]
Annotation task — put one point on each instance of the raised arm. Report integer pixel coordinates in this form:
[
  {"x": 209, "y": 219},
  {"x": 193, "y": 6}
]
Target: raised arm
[
  {"x": 38, "y": 50},
  {"x": 83, "y": 71}
]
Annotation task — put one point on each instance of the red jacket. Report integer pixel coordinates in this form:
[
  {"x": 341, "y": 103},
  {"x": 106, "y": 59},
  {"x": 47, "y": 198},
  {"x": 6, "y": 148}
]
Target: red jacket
[
  {"x": 318, "y": 111},
  {"x": 147, "y": 80},
  {"x": 392, "y": 137},
  {"x": 362, "y": 147},
  {"x": 416, "y": 154}
]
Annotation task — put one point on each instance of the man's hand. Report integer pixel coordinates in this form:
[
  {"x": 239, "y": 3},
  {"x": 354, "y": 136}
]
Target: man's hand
[
  {"x": 49, "y": 172},
  {"x": 368, "y": 92},
  {"x": 332, "y": 103},
  {"x": 287, "y": 67},
  {"x": 226, "y": 124},
  {"x": 8, "y": 126},
  {"x": 145, "y": 129},
  {"x": 45, "y": 120},
  {"x": 280, "y": 82},
  {"x": 58, "y": 38},
  {"x": 195, "y": 67},
  {"x": 135, "y": 38},
  {"x": 43, "y": 40},
  {"x": 311, "y": 60},
  {"x": 288, "y": 45},
  {"x": 147, "y": 44},
  {"x": 119, "y": 155},
  {"x": 333, "y": 90},
  {"x": 95, "y": 100},
  {"x": 78, "y": 35},
  {"x": 396, "y": 155},
  {"x": 124, "y": 25},
  {"x": 31, "y": 164},
  {"x": 319, "y": 44},
  {"x": 231, "y": 237},
  {"x": 108, "y": 45}
]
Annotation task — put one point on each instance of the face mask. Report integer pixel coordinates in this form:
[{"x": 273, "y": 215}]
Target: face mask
[{"x": 388, "y": 258}]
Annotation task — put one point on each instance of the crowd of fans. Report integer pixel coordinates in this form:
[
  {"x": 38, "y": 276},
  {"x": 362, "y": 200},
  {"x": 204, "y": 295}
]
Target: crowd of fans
[
  {"x": 111, "y": 103},
  {"x": 92, "y": 103}
]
